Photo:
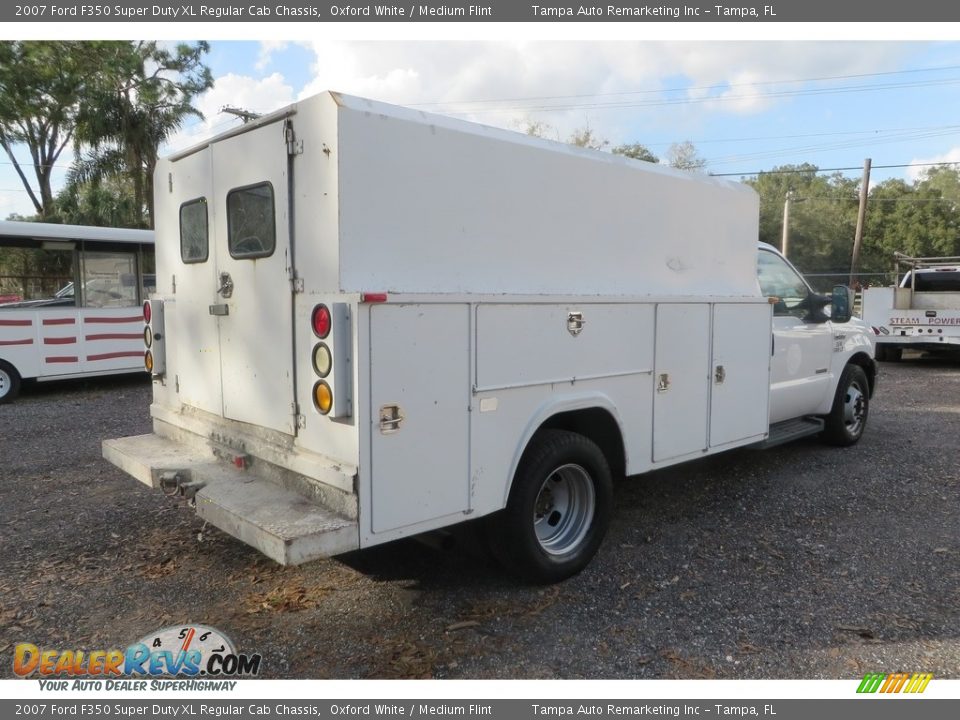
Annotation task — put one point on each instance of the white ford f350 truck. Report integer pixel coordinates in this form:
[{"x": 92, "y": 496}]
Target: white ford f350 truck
[
  {"x": 371, "y": 322},
  {"x": 921, "y": 313}
]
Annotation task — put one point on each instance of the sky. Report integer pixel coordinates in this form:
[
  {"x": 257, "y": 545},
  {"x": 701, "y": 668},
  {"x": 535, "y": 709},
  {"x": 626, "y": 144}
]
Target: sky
[{"x": 747, "y": 106}]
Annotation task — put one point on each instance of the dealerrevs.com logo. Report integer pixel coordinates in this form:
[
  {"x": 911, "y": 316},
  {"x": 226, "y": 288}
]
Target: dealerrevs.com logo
[
  {"x": 180, "y": 651},
  {"x": 894, "y": 683}
]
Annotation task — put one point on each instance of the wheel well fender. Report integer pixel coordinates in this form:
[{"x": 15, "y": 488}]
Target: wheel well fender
[
  {"x": 869, "y": 366},
  {"x": 593, "y": 416}
]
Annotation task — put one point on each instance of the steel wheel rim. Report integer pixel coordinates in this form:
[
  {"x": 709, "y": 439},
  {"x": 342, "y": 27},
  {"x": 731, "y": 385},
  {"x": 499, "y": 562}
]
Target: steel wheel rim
[
  {"x": 564, "y": 509},
  {"x": 5, "y": 382},
  {"x": 854, "y": 408}
]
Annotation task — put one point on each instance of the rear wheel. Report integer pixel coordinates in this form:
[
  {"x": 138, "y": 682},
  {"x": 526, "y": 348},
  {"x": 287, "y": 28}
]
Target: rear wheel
[
  {"x": 558, "y": 511},
  {"x": 9, "y": 382},
  {"x": 851, "y": 406}
]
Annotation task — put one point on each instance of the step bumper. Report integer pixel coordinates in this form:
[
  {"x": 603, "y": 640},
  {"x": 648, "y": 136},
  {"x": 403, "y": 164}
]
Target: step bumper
[{"x": 282, "y": 524}]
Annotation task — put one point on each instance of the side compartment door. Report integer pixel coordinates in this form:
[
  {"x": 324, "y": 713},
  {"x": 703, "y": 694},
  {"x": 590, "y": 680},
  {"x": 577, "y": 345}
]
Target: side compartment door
[
  {"x": 254, "y": 297},
  {"x": 680, "y": 389},
  {"x": 193, "y": 264},
  {"x": 740, "y": 382},
  {"x": 419, "y": 413}
]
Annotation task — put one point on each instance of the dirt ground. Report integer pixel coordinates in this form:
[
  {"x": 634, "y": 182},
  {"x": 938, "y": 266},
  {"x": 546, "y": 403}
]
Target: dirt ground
[{"x": 804, "y": 561}]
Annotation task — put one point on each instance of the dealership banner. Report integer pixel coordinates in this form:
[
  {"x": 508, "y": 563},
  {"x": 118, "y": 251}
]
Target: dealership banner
[
  {"x": 619, "y": 11},
  {"x": 534, "y": 709}
]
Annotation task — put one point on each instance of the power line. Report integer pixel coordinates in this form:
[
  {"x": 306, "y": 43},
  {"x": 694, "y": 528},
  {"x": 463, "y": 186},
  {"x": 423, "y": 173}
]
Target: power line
[
  {"x": 721, "y": 86},
  {"x": 816, "y": 171}
]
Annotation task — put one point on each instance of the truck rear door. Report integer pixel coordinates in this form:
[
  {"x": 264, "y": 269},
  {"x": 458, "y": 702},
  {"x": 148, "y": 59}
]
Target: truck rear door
[
  {"x": 251, "y": 239},
  {"x": 233, "y": 291}
]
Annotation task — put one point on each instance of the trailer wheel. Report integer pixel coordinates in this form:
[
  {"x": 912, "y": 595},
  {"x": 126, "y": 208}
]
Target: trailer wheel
[
  {"x": 851, "y": 406},
  {"x": 9, "y": 382},
  {"x": 558, "y": 511}
]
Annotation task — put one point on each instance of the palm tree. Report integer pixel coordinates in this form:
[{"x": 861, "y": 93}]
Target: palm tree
[{"x": 142, "y": 98}]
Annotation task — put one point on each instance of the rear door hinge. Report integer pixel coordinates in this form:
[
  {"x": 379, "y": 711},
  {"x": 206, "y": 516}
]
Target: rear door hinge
[
  {"x": 294, "y": 145},
  {"x": 296, "y": 284},
  {"x": 299, "y": 421}
]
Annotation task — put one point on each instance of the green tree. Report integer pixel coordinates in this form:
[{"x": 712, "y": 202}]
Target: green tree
[
  {"x": 823, "y": 216},
  {"x": 42, "y": 87},
  {"x": 919, "y": 219},
  {"x": 636, "y": 151},
  {"x": 684, "y": 156},
  {"x": 144, "y": 95}
]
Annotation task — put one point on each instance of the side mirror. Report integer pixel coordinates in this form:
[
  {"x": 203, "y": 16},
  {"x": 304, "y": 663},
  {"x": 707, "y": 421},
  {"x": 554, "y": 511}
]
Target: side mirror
[{"x": 841, "y": 304}]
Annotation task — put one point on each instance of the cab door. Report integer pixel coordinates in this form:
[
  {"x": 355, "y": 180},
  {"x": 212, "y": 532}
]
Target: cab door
[
  {"x": 802, "y": 346},
  {"x": 254, "y": 295}
]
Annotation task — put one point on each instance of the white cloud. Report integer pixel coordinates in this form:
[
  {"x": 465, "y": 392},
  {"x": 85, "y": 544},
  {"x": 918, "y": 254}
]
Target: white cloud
[
  {"x": 914, "y": 173},
  {"x": 580, "y": 81},
  {"x": 260, "y": 95}
]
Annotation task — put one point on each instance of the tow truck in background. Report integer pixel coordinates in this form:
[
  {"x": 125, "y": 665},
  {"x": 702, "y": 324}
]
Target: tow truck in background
[{"x": 921, "y": 313}]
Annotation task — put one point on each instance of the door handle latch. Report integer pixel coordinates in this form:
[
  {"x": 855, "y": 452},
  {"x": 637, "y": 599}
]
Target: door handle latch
[{"x": 391, "y": 417}]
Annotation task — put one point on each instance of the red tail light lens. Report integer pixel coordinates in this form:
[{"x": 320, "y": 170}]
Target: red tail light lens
[
  {"x": 321, "y": 321},
  {"x": 147, "y": 312}
]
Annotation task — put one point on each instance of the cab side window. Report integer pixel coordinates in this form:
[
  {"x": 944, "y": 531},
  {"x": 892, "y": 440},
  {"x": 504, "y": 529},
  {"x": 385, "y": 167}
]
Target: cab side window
[{"x": 779, "y": 280}]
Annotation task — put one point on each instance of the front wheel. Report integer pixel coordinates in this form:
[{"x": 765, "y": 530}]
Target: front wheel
[
  {"x": 559, "y": 508},
  {"x": 9, "y": 382},
  {"x": 851, "y": 405}
]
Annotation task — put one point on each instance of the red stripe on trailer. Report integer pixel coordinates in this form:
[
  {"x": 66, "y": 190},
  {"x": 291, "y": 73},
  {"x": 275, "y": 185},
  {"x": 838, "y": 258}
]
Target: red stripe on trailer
[
  {"x": 16, "y": 323},
  {"x": 62, "y": 359},
  {"x": 116, "y": 336},
  {"x": 28, "y": 341},
  {"x": 60, "y": 341},
  {"x": 110, "y": 356},
  {"x": 59, "y": 321},
  {"x": 129, "y": 318}
]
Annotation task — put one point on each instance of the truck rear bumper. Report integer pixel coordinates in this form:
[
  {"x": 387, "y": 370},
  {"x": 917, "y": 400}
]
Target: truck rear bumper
[{"x": 281, "y": 523}]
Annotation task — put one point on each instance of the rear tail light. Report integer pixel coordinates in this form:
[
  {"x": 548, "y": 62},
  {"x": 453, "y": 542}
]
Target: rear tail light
[
  {"x": 330, "y": 359},
  {"x": 322, "y": 321},
  {"x": 155, "y": 355},
  {"x": 323, "y": 397}
]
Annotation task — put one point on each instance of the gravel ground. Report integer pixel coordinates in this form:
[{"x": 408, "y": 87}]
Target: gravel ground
[{"x": 800, "y": 562}]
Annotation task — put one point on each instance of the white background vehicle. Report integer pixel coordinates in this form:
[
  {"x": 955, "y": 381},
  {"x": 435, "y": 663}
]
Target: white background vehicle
[
  {"x": 48, "y": 333},
  {"x": 922, "y": 313},
  {"x": 378, "y": 322}
]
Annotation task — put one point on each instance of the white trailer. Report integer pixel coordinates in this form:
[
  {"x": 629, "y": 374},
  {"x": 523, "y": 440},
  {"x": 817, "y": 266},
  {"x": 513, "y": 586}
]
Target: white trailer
[
  {"x": 81, "y": 318},
  {"x": 378, "y": 322},
  {"x": 921, "y": 313}
]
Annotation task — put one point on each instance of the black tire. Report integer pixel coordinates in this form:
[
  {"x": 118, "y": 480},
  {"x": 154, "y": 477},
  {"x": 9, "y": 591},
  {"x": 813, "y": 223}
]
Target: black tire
[
  {"x": 851, "y": 406},
  {"x": 9, "y": 382},
  {"x": 558, "y": 511}
]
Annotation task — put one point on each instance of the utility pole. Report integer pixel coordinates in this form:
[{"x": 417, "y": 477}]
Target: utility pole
[
  {"x": 861, "y": 214},
  {"x": 245, "y": 115},
  {"x": 785, "y": 242}
]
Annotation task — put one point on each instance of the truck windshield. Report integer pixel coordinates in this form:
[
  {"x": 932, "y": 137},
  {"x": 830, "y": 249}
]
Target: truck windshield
[{"x": 947, "y": 280}]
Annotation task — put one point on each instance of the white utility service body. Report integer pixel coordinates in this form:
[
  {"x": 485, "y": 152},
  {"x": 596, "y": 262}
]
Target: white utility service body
[
  {"x": 488, "y": 303},
  {"x": 922, "y": 312},
  {"x": 96, "y": 331}
]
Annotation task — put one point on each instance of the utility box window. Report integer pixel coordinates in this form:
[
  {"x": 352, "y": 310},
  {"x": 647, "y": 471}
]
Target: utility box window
[
  {"x": 251, "y": 225},
  {"x": 194, "y": 233}
]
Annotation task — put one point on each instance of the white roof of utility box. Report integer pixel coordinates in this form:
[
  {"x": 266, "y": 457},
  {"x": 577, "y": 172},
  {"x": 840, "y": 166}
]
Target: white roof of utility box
[{"x": 429, "y": 204}]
